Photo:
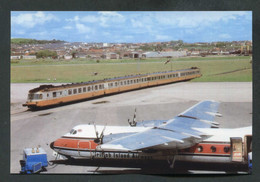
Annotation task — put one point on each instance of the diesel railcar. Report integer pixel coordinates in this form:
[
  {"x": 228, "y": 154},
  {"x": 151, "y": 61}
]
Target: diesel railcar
[{"x": 49, "y": 95}]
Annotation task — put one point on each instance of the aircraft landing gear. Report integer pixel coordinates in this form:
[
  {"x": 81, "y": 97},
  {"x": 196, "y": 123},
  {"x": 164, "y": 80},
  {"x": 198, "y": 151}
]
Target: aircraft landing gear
[{"x": 171, "y": 161}]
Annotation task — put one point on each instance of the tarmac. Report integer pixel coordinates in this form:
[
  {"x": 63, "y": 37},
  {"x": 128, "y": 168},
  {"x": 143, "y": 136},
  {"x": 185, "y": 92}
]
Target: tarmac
[{"x": 34, "y": 128}]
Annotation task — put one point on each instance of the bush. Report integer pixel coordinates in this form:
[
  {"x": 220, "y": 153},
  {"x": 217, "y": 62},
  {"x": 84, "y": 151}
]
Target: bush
[{"x": 46, "y": 53}]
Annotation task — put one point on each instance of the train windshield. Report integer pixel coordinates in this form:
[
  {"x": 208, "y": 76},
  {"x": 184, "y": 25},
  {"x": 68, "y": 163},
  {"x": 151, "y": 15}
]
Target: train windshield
[{"x": 34, "y": 96}]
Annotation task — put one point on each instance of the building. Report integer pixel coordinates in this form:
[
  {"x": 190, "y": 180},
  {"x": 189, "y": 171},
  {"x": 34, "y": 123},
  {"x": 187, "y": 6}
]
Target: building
[
  {"x": 134, "y": 55},
  {"x": 80, "y": 55},
  {"x": 67, "y": 56},
  {"x": 29, "y": 56},
  {"x": 110, "y": 55},
  {"x": 16, "y": 57},
  {"x": 164, "y": 54}
]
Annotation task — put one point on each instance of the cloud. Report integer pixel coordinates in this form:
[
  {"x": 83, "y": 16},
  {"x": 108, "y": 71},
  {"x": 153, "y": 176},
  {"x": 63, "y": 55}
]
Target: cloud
[
  {"x": 110, "y": 14},
  {"x": 196, "y": 19},
  {"x": 75, "y": 18},
  {"x": 162, "y": 37},
  {"x": 29, "y": 20},
  {"x": 225, "y": 36},
  {"x": 110, "y": 18},
  {"x": 83, "y": 28},
  {"x": 42, "y": 34},
  {"x": 90, "y": 19},
  {"x": 67, "y": 27}
]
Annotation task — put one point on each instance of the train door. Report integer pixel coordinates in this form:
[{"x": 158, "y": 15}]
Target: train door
[
  {"x": 105, "y": 88},
  {"x": 95, "y": 90}
]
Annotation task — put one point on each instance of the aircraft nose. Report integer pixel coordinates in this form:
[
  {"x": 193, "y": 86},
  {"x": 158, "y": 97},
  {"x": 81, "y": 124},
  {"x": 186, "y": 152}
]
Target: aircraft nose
[{"x": 52, "y": 145}]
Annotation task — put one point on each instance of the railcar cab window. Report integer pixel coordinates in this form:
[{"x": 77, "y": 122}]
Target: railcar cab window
[{"x": 34, "y": 96}]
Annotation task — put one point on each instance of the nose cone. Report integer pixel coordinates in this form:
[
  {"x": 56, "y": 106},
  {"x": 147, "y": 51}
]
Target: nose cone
[{"x": 52, "y": 145}]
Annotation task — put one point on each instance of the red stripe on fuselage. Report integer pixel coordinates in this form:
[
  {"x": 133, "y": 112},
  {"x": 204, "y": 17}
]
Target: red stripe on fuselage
[{"x": 75, "y": 143}]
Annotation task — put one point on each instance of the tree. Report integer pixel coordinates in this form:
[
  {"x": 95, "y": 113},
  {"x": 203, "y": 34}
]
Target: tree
[
  {"x": 46, "y": 53},
  {"x": 73, "y": 53}
]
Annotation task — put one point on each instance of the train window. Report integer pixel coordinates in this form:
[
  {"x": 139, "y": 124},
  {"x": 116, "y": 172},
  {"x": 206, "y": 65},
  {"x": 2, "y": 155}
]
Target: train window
[
  {"x": 89, "y": 88},
  {"x": 47, "y": 95},
  {"x": 74, "y": 91},
  {"x": 137, "y": 80},
  {"x": 121, "y": 83},
  {"x": 40, "y": 96},
  {"x": 124, "y": 82},
  {"x": 79, "y": 90},
  {"x": 54, "y": 94},
  {"x": 70, "y": 92},
  {"x": 111, "y": 84},
  {"x": 84, "y": 89},
  {"x": 116, "y": 84},
  {"x": 128, "y": 82},
  {"x": 131, "y": 81},
  {"x": 96, "y": 87},
  {"x": 134, "y": 80}
]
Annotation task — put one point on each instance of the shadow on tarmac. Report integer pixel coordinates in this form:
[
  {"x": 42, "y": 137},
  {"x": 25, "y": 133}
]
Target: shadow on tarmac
[{"x": 157, "y": 167}]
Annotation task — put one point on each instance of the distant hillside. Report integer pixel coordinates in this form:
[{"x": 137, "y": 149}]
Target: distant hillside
[{"x": 33, "y": 41}]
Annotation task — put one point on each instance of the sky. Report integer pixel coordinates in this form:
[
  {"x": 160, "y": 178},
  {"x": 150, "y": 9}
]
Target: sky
[{"x": 132, "y": 26}]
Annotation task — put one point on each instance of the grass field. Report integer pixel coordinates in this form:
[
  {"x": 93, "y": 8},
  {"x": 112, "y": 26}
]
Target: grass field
[{"x": 218, "y": 69}]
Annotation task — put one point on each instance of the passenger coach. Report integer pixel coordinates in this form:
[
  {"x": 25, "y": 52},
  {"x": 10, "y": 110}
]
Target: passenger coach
[{"x": 48, "y": 95}]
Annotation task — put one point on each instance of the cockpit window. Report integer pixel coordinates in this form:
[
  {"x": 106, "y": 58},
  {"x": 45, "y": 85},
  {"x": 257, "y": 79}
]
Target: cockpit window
[{"x": 73, "y": 132}]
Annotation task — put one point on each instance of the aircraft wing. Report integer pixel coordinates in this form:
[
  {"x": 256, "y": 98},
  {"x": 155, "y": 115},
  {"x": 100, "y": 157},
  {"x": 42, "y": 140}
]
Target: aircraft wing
[{"x": 177, "y": 133}]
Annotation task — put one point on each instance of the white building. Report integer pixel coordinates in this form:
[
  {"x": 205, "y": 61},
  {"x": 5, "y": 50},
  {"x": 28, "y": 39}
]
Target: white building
[{"x": 29, "y": 57}]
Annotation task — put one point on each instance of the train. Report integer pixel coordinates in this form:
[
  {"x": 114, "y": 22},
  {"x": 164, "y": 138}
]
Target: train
[{"x": 51, "y": 95}]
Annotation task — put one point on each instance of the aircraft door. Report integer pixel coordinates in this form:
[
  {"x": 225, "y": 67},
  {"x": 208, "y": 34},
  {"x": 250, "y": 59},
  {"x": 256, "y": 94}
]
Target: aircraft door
[
  {"x": 236, "y": 149},
  {"x": 83, "y": 147}
]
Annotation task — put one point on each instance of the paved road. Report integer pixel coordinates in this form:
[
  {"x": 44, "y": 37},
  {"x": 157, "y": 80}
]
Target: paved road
[{"x": 30, "y": 129}]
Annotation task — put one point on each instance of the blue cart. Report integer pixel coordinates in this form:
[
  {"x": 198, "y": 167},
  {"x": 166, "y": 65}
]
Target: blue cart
[{"x": 34, "y": 161}]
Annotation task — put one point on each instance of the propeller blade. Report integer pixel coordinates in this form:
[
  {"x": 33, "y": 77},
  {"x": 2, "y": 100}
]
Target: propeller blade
[
  {"x": 96, "y": 130},
  {"x": 134, "y": 118},
  {"x": 102, "y": 133}
]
